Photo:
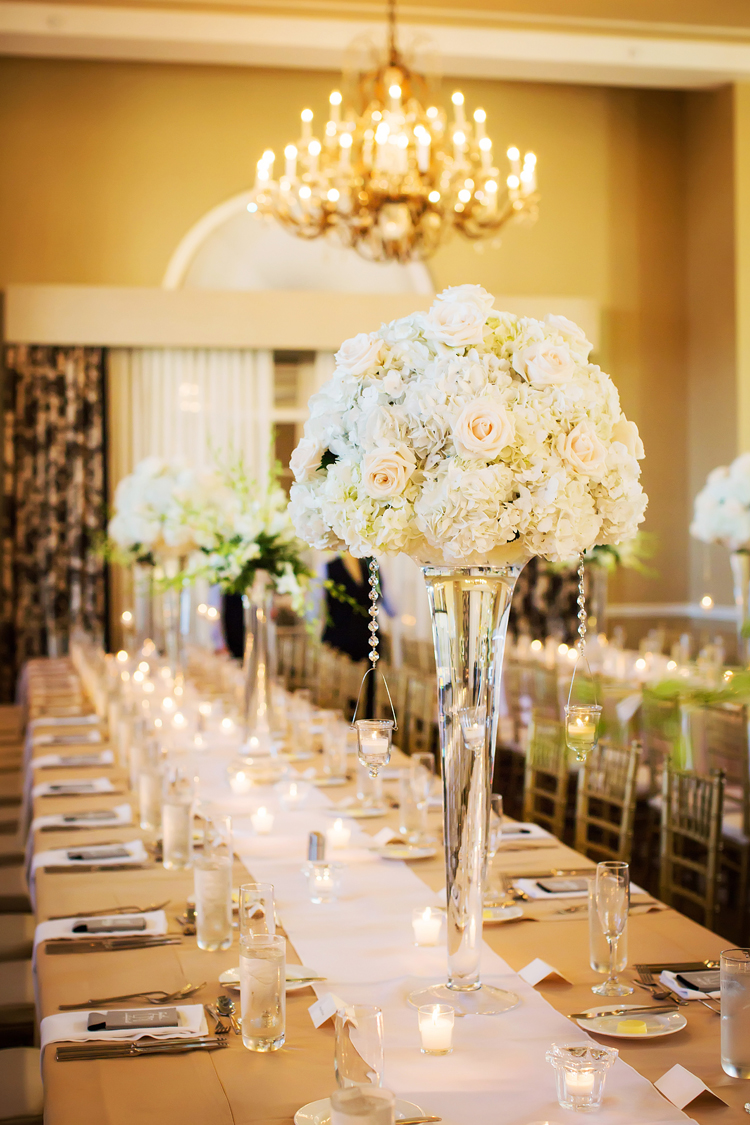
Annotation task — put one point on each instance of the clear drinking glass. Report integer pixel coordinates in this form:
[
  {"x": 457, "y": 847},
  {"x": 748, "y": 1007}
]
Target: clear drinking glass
[
  {"x": 213, "y": 885},
  {"x": 358, "y": 1049},
  {"x": 494, "y": 839},
  {"x": 409, "y": 821},
  {"x": 735, "y": 1012},
  {"x": 422, "y": 775},
  {"x": 150, "y": 786},
  {"x": 369, "y": 788},
  {"x": 257, "y": 909},
  {"x": 354, "y": 1106},
  {"x": 334, "y": 745},
  {"x": 177, "y": 821},
  {"x": 598, "y": 947},
  {"x": 263, "y": 991},
  {"x": 612, "y": 904}
]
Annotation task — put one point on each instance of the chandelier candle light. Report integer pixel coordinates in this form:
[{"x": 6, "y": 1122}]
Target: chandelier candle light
[
  {"x": 392, "y": 178},
  {"x": 470, "y": 440}
]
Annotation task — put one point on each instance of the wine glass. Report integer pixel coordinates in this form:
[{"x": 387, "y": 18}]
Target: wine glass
[
  {"x": 612, "y": 904},
  {"x": 421, "y": 777}
]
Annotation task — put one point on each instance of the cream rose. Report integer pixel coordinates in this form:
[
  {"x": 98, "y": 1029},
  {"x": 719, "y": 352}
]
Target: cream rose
[
  {"x": 358, "y": 355},
  {"x": 483, "y": 429},
  {"x": 385, "y": 472},
  {"x": 583, "y": 451},
  {"x": 457, "y": 323},
  {"x": 571, "y": 333},
  {"x": 305, "y": 459},
  {"x": 545, "y": 364},
  {"x": 468, "y": 295},
  {"x": 627, "y": 433}
]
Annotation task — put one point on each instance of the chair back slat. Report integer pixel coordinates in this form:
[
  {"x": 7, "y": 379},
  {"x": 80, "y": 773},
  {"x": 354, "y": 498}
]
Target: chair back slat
[
  {"x": 690, "y": 844},
  {"x": 605, "y": 803},
  {"x": 546, "y": 775}
]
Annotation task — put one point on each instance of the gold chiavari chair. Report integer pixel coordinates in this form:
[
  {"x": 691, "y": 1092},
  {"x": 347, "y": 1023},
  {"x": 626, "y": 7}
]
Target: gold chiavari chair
[
  {"x": 546, "y": 776},
  {"x": 420, "y": 729},
  {"x": 605, "y": 803},
  {"x": 690, "y": 842},
  {"x": 661, "y": 728}
]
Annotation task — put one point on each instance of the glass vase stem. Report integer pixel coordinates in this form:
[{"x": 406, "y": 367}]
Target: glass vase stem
[
  {"x": 740, "y": 563},
  {"x": 258, "y": 664}
]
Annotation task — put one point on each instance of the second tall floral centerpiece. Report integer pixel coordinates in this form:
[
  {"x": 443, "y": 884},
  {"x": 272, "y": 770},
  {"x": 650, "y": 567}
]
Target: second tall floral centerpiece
[{"x": 471, "y": 440}]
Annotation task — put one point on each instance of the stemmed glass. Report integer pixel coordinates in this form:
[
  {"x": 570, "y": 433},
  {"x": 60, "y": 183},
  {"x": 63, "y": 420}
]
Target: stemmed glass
[
  {"x": 612, "y": 904},
  {"x": 421, "y": 778}
]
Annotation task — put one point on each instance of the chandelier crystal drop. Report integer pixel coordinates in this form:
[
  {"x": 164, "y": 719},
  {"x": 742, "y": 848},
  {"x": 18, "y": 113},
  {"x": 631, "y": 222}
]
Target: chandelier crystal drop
[{"x": 393, "y": 179}]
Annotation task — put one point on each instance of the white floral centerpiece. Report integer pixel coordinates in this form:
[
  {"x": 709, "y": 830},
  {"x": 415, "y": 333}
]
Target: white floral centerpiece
[
  {"x": 149, "y": 520},
  {"x": 467, "y": 435},
  {"x": 721, "y": 514}
]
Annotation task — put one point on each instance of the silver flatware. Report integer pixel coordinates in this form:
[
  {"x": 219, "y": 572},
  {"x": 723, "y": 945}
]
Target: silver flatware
[
  {"x": 226, "y": 1007},
  {"x": 716, "y": 1011},
  {"x": 622, "y": 1012},
  {"x": 420, "y": 1120},
  {"x": 220, "y": 1028},
  {"x": 105, "y": 945},
  {"x": 155, "y": 996},
  {"x": 658, "y": 990},
  {"x": 75, "y": 1052},
  {"x": 88, "y": 868}
]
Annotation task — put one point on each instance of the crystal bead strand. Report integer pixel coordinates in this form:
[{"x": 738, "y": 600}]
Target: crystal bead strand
[
  {"x": 581, "y": 609},
  {"x": 374, "y": 581}
]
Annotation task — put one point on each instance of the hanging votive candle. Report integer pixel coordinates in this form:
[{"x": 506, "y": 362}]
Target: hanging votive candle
[
  {"x": 374, "y": 739},
  {"x": 582, "y": 728}
]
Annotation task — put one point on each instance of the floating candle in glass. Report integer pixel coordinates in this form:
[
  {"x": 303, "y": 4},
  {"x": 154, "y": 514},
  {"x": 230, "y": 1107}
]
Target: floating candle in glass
[
  {"x": 580, "y": 1070},
  {"x": 262, "y": 821},
  {"x": 436, "y": 1029},
  {"x": 374, "y": 738},
  {"x": 338, "y": 835},
  {"x": 582, "y": 728},
  {"x": 426, "y": 925}
]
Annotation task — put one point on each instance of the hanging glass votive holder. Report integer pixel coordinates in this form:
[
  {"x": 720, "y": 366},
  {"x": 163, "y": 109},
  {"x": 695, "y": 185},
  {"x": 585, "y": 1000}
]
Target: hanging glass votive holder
[
  {"x": 374, "y": 742},
  {"x": 582, "y": 728}
]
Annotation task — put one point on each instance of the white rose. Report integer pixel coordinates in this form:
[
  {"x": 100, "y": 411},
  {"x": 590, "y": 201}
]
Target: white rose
[
  {"x": 468, "y": 294},
  {"x": 571, "y": 333},
  {"x": 483, "y": 428},
  {"x": 305, "y": 459},
  {"x": 457, "y": 323},
  {"x": 583, "y": 451},
  {"x": 627, "y": 433},
  {"x": 358, "y": 355},
  {"x": 545, "y": 364},
  {"x": 386, "y": 471}
]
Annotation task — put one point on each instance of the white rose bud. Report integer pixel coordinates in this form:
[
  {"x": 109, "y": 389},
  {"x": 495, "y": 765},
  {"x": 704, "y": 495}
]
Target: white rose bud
[
  {"x": 360, "y": 354},
  {"x": 456, "y": 323},
  {"x": 385, "y": 472},
  {"x": 545, "y": 364},
  {"x": 305, "y": 459},
  {"x": 468, "y": 295},
  {"x": 583, "y": 451},
  {"x": 483, "y": 429},
  {"x": 627, "y": 433}
]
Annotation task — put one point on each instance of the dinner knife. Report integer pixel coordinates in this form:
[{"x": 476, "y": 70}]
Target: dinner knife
[
  {"x": 622, "y": 1012},
  {"x": 678, "y": 966},
  {"x": 106, "y": 945},
  {"x": 88, "y": 868}
]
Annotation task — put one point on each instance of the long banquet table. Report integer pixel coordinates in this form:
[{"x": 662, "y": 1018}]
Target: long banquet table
[{"x": 363, "y": 945}]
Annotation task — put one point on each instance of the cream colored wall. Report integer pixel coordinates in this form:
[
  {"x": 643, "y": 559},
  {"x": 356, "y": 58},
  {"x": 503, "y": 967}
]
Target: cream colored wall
[{"x": 103, "y": 167}]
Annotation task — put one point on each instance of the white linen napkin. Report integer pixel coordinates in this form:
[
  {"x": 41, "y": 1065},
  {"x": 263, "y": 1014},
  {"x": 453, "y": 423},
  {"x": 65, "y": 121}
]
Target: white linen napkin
[
  {"x": 120, "y": 816},
  {"x": 156, "y": 926},
  {"x": 70, "y": 1027},
  {"x": 76, "y": 787},
  {"x": 520, "y": 831},
  {"x": 46, "y": 739},
  {"x": 73, "y": 761},
  {"x": 670, "y": 980},
  {"x": 58, "y": 857},
  {"x": 64, "y": 721},
  {"x": 530, "y": 886}
]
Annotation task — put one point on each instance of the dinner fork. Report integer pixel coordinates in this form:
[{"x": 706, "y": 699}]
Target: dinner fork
[
  {"x": 154, "y": 996},
  {"x": 220, "y": 1027},
  {"x": 657, "y": 990}
]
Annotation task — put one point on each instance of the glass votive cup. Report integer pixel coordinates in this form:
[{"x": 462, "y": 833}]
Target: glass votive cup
[
  {"x": 323, "y": 880},
  {"x": 426, "y": 924},
  {"x": 356, "y": 1105},
  {"x": 375, "y": 737},
  {"x": 436, "y": 1028},
  {"x": 580, "y": 1073},
  {"x": 262, "y": 821},
  {"x": 582, "y": 728},
  {"x": 239, "y": 777}
]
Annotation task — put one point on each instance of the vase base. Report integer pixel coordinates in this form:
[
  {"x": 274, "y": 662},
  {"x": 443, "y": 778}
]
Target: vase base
[{"x": 484, "y": 1001}]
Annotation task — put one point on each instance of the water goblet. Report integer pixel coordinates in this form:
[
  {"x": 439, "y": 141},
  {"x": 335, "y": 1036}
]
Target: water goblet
[{"x": 612, "y": 904}]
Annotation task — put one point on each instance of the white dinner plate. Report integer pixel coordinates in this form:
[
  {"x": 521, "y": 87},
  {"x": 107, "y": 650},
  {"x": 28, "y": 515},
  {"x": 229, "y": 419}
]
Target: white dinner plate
[
  {"x": 231, "y": 978},
  {"x": 319, "y": 1113},
  {"x": 404, "y": 851},
  {"x": 501, "y": 913},
  {"x": 357, "y": 812},
  {"x": 656, "y": 1024}
]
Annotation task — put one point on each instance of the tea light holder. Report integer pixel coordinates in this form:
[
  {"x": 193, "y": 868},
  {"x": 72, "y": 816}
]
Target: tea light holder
[
  {"x": 436, "y": 1028},
  {"x": 374, "y": 741},
  {"x": 262, "y": 821},
  {"x": 426, "y": 924},
  {"x": 580, "y": 1073},
  {"x": 338, "y": 835},
  {"x": 240, "y": 781},
  {"x": 323, "y": 880},
  {"x": 582, "y": 728}
]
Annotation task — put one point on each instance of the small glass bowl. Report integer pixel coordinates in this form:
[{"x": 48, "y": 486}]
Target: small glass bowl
[{"x": 580, "y": 1071}]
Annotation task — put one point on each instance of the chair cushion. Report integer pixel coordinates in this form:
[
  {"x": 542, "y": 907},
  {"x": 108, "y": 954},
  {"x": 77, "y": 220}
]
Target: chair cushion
[
  {"x": 16, "y": 937},
  {"x": 21, "y": 1085}
]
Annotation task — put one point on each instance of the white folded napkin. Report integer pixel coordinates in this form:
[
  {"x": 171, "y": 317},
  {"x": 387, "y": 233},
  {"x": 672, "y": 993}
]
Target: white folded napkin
[
  {"x": 519, "y": 831},
  {"x": 64, "y": 721},
  {"x": 73, "y": 761},
  {"x": 531, "y": 888},
  {"x": 58, "y": 857},
  {"x": 156, "y": 926},
  {"x": 76, "y": 787},
  {"x": 70, "y": 1027},
  {"x": 670, "y": 980},
  {"x": 120, "y": 816},
  {"x": 46, "y": 739}
]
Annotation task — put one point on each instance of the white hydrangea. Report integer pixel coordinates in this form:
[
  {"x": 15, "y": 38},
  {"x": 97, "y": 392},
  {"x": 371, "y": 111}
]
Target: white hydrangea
[
  {"x": 149, "y": 516},
  {"x": 722, "y": 508},
  {"x": 467, "y": 435}
]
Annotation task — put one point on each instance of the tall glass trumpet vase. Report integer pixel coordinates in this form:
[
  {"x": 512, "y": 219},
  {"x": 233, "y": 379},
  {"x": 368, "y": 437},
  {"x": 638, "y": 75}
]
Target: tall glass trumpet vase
[
  {"x": 258, "y": 666},
  {"x": 143, "y": 602},
  {"x": 740, "y": 563},
  {"x": 469, "y": 606}
]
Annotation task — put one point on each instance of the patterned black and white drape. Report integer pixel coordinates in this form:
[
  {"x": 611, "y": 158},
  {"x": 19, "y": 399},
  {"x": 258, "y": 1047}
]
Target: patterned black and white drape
[{"x": 53, "y": 502}]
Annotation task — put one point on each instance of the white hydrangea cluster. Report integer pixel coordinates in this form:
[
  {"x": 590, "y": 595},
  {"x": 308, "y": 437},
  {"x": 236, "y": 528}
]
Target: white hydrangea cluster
[
  {"x": 467, "y": 435},
  {"x": 722, "y": 507},
  {"x": 149, "y": 517}
]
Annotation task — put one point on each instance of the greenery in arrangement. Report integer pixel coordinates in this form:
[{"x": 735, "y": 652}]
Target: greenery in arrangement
[{"x": 633, "y": 554}]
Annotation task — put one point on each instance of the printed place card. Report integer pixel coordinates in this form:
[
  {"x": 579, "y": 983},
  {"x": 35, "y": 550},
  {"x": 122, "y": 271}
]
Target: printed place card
[
  {"x": 538, "y": 970},
  {"x": 325, "y": 1008},
  {"x": 384, "y": 836},
  {"x": 681, "y": 1087}
]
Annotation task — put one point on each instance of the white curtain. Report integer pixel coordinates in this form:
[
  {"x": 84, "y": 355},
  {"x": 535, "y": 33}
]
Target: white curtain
[{"x": 199, "y": 404}]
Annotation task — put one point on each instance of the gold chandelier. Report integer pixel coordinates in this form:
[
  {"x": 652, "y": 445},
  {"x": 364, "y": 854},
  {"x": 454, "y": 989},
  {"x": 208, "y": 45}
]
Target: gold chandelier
[{"x": 393, "y": 179}]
